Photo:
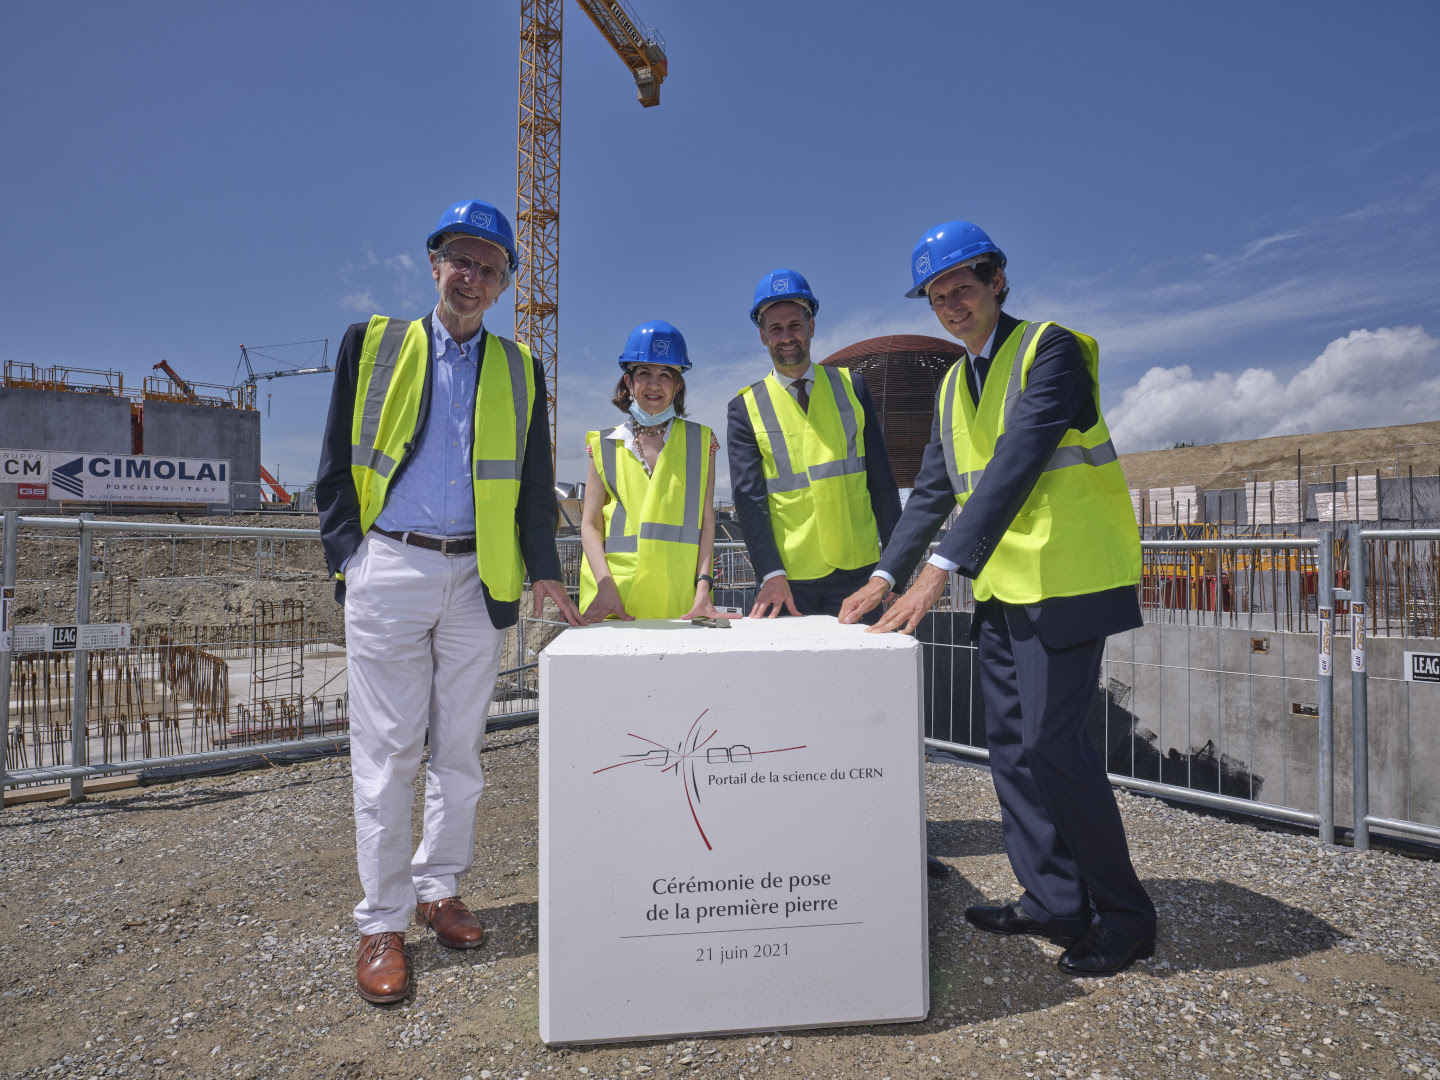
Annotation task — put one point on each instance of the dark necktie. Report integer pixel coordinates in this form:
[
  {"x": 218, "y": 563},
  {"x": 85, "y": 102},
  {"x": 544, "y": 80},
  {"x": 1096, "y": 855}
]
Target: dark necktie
[
  {"x": 975, "y": 375},
  {"x": 802, "y": 395}
]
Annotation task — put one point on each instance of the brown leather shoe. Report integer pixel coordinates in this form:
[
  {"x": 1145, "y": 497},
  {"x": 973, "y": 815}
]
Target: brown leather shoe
[
  {"x": 454, "y": 924},
  {"x": 382, "y": 974}
]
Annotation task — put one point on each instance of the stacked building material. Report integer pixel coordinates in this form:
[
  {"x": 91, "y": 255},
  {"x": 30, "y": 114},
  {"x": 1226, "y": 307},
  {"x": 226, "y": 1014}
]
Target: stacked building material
[
  {"x": 1161, "y": 506},
  {"x": 1289, "y": 500},
  {"x": 1139, "y": 505},
  {"x": 1189, "y": 500},
  {"x": 1332, "y": 506},
  {"x": 1275, "y": 502},
  {"x": 1183, "y": 505},
  {"x": 1257, "y": 502},
  {"x": 1363, "y": 496}
]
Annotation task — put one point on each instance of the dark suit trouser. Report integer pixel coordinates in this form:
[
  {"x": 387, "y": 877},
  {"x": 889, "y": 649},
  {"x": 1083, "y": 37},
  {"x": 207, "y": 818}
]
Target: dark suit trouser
[
  {"x": 823, "y": 596},
  {"x": 1063, "y": 832}
]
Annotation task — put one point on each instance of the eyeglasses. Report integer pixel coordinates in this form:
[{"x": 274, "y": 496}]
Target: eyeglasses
[{"x": 490, "y": 276}]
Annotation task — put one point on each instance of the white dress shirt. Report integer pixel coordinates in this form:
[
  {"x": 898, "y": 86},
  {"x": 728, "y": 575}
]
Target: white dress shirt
[
  {"x": 970, "y": 358},
  {"x": 625, "y": 434},
  {"x": 789, "y": 384}
]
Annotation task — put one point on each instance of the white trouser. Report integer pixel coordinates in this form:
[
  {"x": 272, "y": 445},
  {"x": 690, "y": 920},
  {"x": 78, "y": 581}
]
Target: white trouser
[{"x": 420, "y": 650}]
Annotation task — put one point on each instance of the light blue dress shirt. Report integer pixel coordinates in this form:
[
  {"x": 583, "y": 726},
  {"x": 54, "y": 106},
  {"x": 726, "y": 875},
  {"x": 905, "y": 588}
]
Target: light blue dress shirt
[{"x": 435, "y": 492}]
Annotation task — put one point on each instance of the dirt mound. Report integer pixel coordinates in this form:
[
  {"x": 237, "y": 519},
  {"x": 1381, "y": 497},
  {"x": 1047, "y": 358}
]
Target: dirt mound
[{"x": 1389, "y": 450}]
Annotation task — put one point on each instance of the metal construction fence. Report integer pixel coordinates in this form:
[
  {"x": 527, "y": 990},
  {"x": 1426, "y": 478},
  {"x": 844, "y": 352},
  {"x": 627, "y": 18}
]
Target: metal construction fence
[
  {"x": 236, "y": 647},
  {"x": 232, "y": 646}
]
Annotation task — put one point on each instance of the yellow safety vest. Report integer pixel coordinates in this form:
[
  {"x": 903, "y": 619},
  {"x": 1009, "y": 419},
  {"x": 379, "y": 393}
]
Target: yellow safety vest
[
  {"x": 1076, "y": 533},
  {"x": 652, "y": 523},
  {"x": 387, "y": 410},
  {"x": 815, "y": 477}
]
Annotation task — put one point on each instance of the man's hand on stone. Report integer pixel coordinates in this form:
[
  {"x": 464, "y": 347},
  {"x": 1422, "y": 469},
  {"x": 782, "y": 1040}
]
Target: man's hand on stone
[
  {"x": 550, "y": 589},
  {"x": 906, "y": 613},
  {"x": 863, "y": 599},
  {"x": 773, "y": 597}
]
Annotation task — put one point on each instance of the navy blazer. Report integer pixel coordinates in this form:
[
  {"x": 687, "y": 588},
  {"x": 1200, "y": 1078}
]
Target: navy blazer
[
  {"x": 1058, "y": 396},
  {"x": 537, "y": 513},
  {"x": 749, "y": 494}
]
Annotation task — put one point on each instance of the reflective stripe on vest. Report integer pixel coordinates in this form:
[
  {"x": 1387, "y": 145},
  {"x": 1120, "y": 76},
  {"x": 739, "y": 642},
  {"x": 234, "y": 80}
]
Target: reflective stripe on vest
[
  {"x": 654, "y": 566},
  {"x": 1063, "y": 457},
  {"x": 365, "y": 452},
  {"x": 616, "y": 541},
  {"x": 392, "y": 372},
  {"x": 510, "y": 468},
  {"x": 789, "y": 479},
  {"x": 1075, "y": 533},
  {"x": 687, "y": 533},
  {"x": 814, "y": 466}
]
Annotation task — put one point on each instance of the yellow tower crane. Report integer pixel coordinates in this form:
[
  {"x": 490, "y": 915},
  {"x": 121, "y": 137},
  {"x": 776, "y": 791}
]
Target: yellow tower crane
[{"x": 537, "y": 189}]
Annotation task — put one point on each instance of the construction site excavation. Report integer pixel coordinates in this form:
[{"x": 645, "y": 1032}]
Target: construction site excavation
[{"x": 231, "y": 641}]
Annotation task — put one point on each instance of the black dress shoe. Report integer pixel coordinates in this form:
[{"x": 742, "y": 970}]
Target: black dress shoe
[
  {"x": 935, "y": 868},
  {"x": 1104, "y": 952},
  {"x": 1011, "y": 918}
]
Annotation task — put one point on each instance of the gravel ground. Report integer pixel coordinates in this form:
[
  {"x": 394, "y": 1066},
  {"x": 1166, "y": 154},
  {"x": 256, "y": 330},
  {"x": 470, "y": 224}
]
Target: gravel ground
[{"x": 202, "y": 930}]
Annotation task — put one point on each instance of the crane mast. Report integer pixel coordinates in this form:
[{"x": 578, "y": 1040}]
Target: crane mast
[{"x": 537, "y": 188}]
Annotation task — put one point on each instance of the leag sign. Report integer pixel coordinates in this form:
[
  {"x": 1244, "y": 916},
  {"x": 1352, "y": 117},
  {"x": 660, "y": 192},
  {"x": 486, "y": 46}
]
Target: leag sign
[{"x": 1422, "y": 667}]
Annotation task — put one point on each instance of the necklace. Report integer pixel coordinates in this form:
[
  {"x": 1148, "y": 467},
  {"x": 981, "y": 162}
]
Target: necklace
[{"x": 642, "y": 432}]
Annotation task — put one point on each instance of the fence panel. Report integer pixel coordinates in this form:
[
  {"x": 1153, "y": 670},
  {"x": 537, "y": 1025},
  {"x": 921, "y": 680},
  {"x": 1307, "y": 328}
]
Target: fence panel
[{"x": 238, "y": 645}]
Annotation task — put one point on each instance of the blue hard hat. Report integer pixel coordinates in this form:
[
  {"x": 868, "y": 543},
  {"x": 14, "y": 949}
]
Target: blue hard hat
[
  {"x": 782, "y": 285},
  {"x": 944, "y": 247},
  {"x": 476, "y": 217},
  {"x": 655, "y": 342}
]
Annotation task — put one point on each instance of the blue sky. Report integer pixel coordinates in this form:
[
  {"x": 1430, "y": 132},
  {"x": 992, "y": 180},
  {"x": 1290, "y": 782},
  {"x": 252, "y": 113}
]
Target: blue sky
[{"x": 1205, "y": 189}]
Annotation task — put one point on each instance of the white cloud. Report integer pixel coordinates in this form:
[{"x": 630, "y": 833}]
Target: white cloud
[
  {"x": 361, "y": 301},
  {"x": 1368, "y": 378}
]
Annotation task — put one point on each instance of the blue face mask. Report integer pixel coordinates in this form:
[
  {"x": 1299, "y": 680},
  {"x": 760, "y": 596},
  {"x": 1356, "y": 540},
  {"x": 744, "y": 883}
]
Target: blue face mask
[{"x": 640, "y": 416}]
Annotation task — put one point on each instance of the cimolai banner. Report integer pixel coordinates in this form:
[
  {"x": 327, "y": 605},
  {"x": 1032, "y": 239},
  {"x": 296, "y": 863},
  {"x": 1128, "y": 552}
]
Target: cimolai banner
[{"x": 78, "y": 477}]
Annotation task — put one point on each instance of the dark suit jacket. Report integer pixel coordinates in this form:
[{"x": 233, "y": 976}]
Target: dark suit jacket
[
  {"x": 1057, "y": 397},
  {"x": 537, "y": 513},
  {"x": 747, "y": 482}
]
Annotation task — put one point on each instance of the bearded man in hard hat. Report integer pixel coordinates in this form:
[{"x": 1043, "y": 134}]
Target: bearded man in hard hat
[
  {"x": 436, "y": 496},
  {"x": 809, "y": 474},
  {"x": 1047, "y": 533}
]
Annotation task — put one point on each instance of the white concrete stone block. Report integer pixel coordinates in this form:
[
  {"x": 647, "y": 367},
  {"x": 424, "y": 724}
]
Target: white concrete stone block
[{"x": 732, "y": 829}]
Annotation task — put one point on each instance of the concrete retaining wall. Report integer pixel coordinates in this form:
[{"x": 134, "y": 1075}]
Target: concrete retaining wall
[
  {"x": 204, "y": 431},
  {"x": 60, "y": 420},
  {"x": 1228, "y": 710}
]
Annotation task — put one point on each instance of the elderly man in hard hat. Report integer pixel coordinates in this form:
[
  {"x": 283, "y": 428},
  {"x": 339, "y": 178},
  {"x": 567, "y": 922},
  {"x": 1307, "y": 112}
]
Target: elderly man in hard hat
[
  {"x": 809, "y": 474},
  {"x": 436, "y": 496},
  {"x": 1047, "y": 533}
]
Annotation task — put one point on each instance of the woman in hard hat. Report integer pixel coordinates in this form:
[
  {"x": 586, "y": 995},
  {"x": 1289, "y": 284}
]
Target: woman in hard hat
[{"x": 648, "y": 528}]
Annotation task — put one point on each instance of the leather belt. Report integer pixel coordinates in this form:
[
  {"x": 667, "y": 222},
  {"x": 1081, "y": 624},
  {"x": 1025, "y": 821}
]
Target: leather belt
[{"x": 455, "y": 545}]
